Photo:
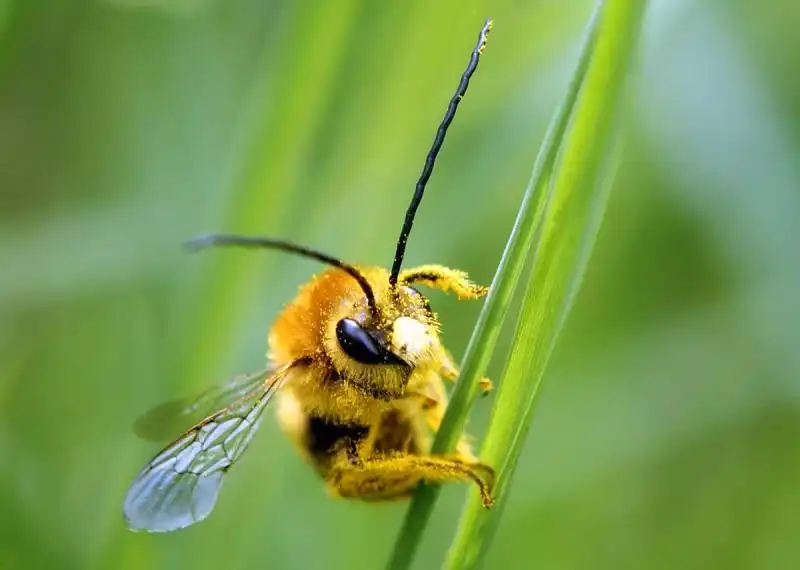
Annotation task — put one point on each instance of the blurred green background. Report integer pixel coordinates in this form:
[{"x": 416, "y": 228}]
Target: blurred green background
[{"x": 668, "y": 435}]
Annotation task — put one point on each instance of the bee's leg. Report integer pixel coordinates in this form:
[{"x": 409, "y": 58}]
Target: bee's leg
[
  {"x": 433, "y": 405},
  {"x": 396, "y": 476},
  {"x": 445, "y": 279},
  {"x": 449, "y": 371},
  {"x": 434, "y": 408}
]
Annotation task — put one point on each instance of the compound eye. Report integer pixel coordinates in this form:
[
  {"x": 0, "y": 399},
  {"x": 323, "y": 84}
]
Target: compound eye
[
  {"x": 357, "y": 343},
  {"x": 361, "y": 346}
]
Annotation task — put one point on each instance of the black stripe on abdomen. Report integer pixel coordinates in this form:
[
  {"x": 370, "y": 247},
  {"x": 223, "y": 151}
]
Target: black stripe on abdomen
[{"x": 324, "y": 437}]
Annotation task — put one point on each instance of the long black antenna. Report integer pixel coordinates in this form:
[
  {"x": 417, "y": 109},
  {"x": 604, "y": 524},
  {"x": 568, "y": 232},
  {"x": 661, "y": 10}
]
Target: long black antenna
[
  {"x": 230, "y": 240},
  {"x": 437, "y": 145}
]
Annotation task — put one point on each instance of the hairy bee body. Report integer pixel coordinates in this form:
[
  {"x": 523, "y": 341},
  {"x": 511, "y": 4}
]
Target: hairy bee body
[
  {"x": 342, "y": 414},
  {"x": 357, "y": 366}
]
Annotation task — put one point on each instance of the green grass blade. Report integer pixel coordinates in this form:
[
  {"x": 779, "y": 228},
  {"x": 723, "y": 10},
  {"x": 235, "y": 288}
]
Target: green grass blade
[
  {"x": 572, "y": 218},
  {"x": 487, "y": 329}
]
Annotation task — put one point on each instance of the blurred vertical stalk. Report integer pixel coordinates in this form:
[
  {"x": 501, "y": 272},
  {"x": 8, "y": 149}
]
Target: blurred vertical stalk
[
  {"x": 573, "y": 213},
  {"x": 6, "y": 7},
  {"x": 5, "y": 10},
  {"x": 268, "y": 184}
]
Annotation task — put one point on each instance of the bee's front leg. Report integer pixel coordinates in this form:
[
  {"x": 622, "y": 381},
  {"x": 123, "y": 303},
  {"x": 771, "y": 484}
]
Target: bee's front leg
[
  {"x": 445, "y": 279},
  {"x": 449, "y": 371}
]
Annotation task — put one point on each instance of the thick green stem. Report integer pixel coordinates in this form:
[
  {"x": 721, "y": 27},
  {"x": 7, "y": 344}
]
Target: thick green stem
[
  {"x": 578, "y": 196},
  {"x": 487, "y": 329}
]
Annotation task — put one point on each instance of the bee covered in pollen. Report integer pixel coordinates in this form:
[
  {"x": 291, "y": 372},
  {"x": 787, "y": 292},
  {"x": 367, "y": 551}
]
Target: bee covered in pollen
[{"x": 356, "y": 364}]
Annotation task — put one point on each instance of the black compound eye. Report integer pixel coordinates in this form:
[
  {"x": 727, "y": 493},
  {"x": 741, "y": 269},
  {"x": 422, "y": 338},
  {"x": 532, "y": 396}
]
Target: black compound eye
[{"x": 358, "y": 344}]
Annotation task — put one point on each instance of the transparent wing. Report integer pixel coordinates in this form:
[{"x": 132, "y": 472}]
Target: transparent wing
[
  {"x": 165, "y": 420},
  {"x": 180, "y": 485}
]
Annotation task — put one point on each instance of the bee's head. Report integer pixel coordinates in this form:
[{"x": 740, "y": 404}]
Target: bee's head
[
  {"x": 404, "y": 337},
  {"x": 383, "y": 351}
]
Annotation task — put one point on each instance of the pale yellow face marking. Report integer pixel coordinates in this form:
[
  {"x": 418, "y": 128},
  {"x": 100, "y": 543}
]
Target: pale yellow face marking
[{"x": 410, "y": 338}]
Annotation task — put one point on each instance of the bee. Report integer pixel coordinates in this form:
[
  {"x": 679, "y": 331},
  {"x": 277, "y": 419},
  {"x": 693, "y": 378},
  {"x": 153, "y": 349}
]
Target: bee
[{"x": 356, "y": 365}]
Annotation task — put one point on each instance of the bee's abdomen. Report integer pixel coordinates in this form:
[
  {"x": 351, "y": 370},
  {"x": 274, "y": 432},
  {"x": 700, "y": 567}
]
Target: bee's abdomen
[{"x": 325, "y": 438}]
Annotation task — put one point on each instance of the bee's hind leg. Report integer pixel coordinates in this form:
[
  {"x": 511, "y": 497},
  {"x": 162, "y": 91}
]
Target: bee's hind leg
[{"x": 396, "y": 476}]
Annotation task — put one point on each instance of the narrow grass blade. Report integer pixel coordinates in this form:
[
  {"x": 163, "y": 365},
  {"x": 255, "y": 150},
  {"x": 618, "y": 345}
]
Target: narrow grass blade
[
  {"x": 487, "y": 329},
  {"x": 572, "y": 217}
]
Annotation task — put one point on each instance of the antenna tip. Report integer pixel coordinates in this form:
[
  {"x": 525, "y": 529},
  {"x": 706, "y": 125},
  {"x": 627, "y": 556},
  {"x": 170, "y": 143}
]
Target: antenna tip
[{"x": 487, "y": 27}]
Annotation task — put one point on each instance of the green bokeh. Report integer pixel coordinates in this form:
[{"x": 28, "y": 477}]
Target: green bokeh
[{"x": 667, "y": 435}]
